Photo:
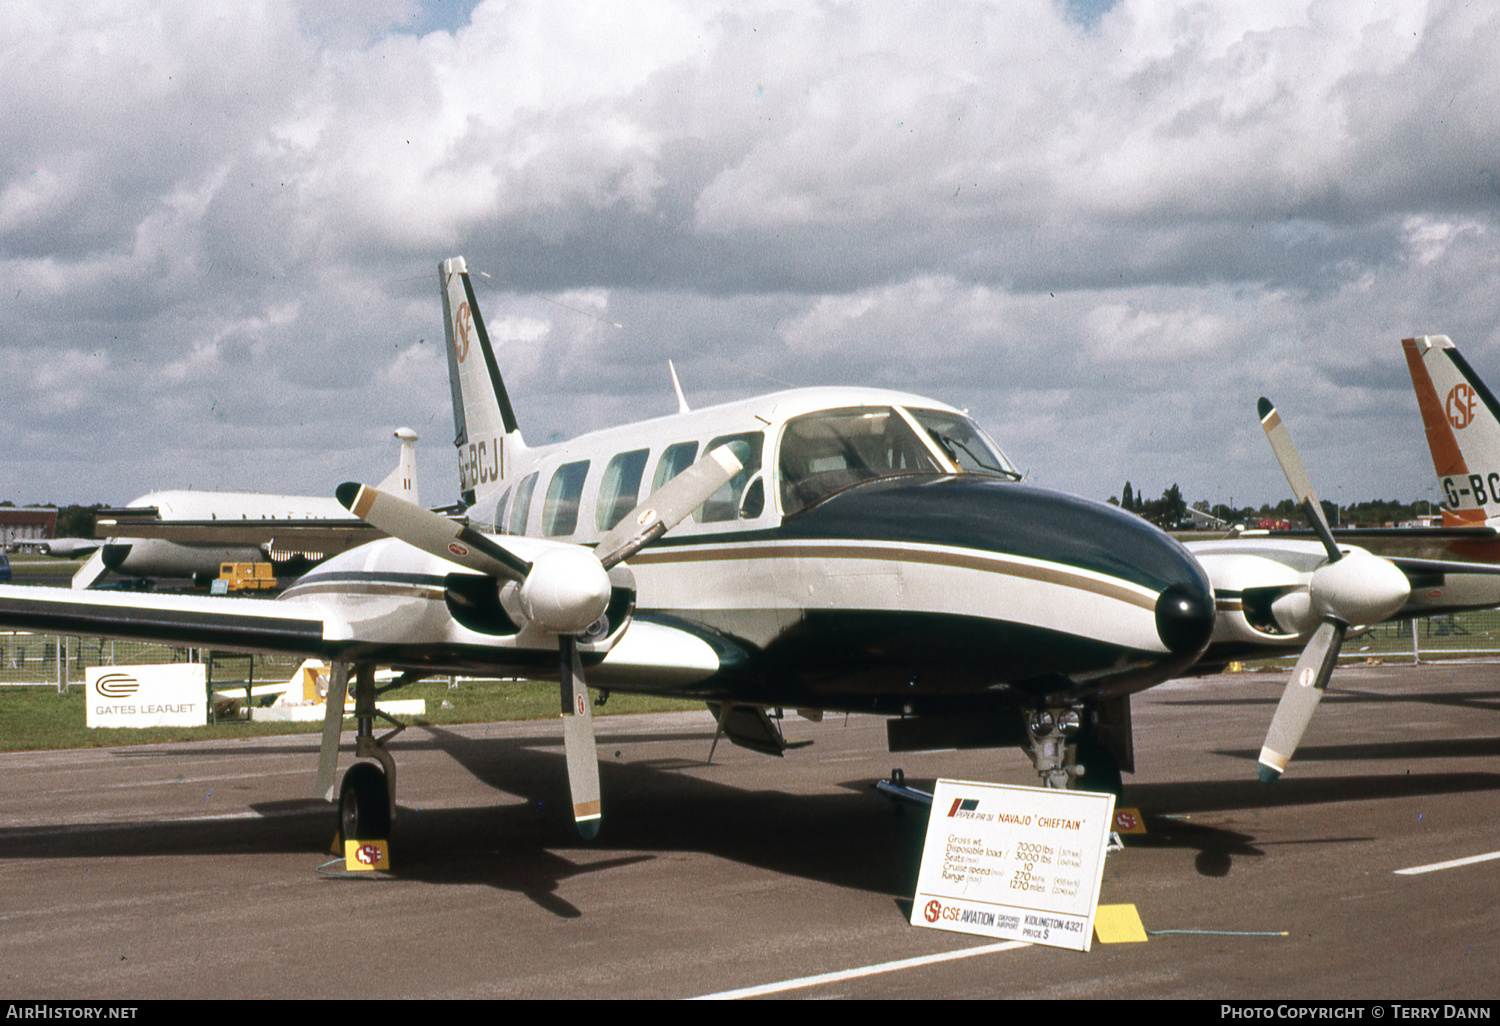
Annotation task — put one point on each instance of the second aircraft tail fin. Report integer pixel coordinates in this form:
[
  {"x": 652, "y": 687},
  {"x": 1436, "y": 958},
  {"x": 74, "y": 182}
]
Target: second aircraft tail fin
[
  {"x": 402, "y": 482},
  {"x": 483, "y": 419},
  {"x": 1462, "y": 419}
]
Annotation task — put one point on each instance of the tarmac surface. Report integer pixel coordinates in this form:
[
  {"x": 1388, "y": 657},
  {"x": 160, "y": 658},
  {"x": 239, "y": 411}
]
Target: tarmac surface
[{"x": 193, "y": 870}]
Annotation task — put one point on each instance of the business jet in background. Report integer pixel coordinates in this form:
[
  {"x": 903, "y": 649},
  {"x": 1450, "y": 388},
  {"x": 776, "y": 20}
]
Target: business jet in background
[{"x": 188, "y": 534}]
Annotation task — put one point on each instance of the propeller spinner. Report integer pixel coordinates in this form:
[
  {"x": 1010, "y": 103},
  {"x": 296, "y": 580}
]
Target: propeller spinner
[{"x": 565, "y": 590}]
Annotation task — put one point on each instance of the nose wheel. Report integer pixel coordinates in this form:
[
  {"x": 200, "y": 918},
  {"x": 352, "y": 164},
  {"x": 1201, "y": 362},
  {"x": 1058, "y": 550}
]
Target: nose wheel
[{"x": 1065, "y": 749}]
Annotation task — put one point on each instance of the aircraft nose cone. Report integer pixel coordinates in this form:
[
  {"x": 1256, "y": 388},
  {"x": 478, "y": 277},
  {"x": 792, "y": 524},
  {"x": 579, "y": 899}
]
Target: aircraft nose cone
[{"x": 1184, "y": 617}]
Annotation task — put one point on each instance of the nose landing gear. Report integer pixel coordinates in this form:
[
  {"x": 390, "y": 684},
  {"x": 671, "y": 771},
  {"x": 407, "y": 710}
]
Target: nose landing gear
[{"x": 1066, "y": 749}]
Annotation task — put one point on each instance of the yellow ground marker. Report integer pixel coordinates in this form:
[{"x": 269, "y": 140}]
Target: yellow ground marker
[
  {"x": 1118, "y": 924},
  {"x": 1129, "y": 821}
]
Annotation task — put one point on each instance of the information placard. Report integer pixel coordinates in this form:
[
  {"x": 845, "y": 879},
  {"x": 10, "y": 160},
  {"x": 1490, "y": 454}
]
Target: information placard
[
  {"x": 1022, "y": 863},
  {"x": 168, "y": 695}
]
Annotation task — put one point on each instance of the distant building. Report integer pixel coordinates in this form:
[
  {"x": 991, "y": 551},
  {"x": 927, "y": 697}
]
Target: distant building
[{"x": 26, "y": 523}]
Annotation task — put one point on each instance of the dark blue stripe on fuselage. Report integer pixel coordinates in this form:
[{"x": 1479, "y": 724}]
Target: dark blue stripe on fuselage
[{"x": 988, "y": 515}]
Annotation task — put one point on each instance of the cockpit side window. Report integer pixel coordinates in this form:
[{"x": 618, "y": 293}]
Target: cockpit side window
[
  {"x": 964, "y": 443},
  {"x": 724, "y": 504},
  {"x": 827, "y": 451}
]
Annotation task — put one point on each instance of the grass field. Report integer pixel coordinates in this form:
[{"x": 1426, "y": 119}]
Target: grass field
[{"x": 40, "y": 718}]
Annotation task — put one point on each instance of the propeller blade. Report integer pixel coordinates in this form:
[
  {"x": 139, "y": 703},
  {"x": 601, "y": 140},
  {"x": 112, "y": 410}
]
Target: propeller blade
[
  {"x": 578, "y": 741},
  {"x": 1296, "y": 475},
  {"x": 430, "y": 532},
  {"x": 668, "y": 505},
  {"x": 1303, "y": 692}
]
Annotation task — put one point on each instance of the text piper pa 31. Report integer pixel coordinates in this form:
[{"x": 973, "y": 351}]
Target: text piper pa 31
[{"x": 825, "y": 549}]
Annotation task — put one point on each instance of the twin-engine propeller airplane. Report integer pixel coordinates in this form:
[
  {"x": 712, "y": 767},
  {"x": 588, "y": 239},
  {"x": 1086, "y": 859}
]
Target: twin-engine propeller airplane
[
  {"x": 827, "y": 617},
  {"x": 834, "y": 550}
]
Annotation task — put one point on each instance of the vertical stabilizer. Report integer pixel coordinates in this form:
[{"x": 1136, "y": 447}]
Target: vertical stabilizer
[
  {"x": 402, "y": 482},
  {"x": 1462, "y": 420},
  {"x": 484, "y": 422}
]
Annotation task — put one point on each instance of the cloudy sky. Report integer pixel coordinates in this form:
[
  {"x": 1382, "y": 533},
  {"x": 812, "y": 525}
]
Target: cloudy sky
[{"x": 1103, "y": 228}]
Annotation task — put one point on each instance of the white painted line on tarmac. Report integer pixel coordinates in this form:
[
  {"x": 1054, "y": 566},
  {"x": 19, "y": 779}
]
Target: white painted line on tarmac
[
  {"x": 1451, "y": 864},
  {"x": 854, "y": 974}
]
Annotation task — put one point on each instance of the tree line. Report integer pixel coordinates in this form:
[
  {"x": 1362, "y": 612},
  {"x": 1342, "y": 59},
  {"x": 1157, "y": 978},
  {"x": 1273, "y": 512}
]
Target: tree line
[{"x": 1171, "y": 510}]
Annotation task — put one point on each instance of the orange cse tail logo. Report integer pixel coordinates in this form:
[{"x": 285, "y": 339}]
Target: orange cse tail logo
[{"x": 1459, "y": 405}]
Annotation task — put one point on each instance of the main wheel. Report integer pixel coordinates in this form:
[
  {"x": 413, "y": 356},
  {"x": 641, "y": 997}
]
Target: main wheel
[{"x": 364, "y": 804}]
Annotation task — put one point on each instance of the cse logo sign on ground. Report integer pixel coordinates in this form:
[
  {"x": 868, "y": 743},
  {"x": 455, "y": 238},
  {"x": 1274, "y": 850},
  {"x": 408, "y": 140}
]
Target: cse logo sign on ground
[{"x": 1022, "y": 863}]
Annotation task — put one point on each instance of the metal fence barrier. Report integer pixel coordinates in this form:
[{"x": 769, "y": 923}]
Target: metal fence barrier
[{"x": 43, "y": 659}]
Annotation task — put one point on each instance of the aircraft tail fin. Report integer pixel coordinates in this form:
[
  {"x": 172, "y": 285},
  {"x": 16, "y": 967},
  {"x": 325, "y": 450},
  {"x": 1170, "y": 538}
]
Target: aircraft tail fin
[
  {"x": 1462, "y": 420},
  {"x": 402, "y": 481},
  {"x": 93, "y": 568},
  {"x": 485, "y": 424}
]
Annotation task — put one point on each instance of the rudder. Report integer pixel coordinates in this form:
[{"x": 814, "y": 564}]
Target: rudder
[{"x": 484, "y": 423}]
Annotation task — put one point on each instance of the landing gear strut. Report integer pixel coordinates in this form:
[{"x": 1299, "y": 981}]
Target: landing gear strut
[
  {"x": 367, "y": 799},
  {"x": 1065, "y": 748}
]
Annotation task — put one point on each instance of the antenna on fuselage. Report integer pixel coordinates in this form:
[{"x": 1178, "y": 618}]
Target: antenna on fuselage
[{"x": 682, "y": 403}]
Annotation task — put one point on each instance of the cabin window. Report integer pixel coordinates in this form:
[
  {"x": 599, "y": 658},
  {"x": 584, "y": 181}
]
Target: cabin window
[
  {"x": 500, "y": 507},
  {"x": 964, "y": 443},
  {"x": 620, "y": 490},
  {"x": 725, "y": 503},
  {"x": 560, "y": 508},
  {"x": 519, "y": 511},
  {"x": 826, "y": 452},
  {"x": 674, "y": 461}
]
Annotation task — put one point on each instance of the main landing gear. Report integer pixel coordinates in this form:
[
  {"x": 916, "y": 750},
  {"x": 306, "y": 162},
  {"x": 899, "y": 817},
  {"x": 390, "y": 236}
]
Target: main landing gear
[{"x": 367, "y": 798}]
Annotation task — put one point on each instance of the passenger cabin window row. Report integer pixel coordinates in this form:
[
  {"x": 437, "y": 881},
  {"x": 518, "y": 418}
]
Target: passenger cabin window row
[
  {"x": 620, "y": 489},
  {"x": 819, "y": 455}
]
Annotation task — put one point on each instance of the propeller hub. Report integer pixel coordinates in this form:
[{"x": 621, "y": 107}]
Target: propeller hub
[
  {"x": 1361, "y": 588},
  {"x": 566, "y": 591}
]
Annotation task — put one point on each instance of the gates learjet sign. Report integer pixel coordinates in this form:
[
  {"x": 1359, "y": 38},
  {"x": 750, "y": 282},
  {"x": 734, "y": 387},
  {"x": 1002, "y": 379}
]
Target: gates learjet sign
[{"x": 171, "y": 695}]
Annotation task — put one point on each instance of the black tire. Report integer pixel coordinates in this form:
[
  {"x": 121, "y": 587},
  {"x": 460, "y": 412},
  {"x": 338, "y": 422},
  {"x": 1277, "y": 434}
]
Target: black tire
[
  {"x": 364, "y": 804},
  {"x": 1101, "y": 770}
]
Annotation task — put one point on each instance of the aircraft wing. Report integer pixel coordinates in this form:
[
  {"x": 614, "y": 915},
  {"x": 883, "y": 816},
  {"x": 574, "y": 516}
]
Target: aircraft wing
[
  {"x": 315, "y": 535},
  {"x": 1414, "y": 542},
  {"x": 238, "y": 624},
  {"x": 1441, "y": 586}
]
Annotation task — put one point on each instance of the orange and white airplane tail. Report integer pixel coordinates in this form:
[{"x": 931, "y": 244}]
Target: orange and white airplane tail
[{"x": 1462, "y": 419}]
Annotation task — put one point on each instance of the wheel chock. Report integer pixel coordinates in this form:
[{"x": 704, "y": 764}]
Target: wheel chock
[{"x": 364, "y": 856}]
